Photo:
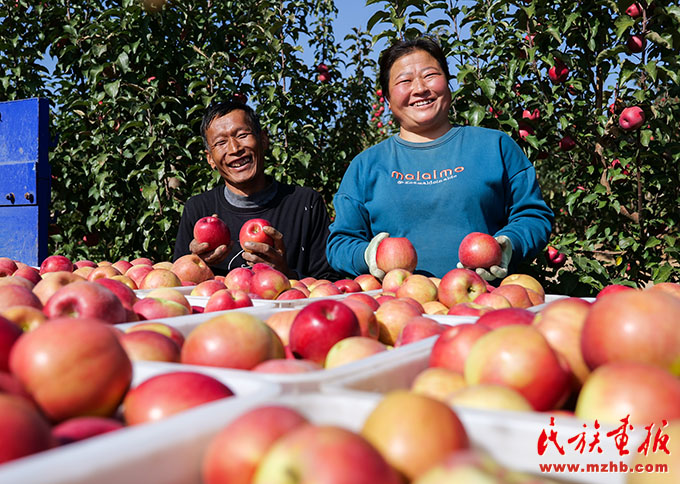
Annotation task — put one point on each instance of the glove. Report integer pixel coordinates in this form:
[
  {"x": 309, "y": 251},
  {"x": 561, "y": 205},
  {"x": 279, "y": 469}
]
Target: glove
[
  {"x": 499, "y": 271},
  {"x": 369, "y": 255}
]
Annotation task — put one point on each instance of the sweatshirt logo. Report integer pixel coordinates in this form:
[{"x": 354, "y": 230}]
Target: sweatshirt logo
[{"x": 427, "y": 177}]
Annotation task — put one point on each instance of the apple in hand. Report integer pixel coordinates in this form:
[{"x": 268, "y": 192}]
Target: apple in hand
[
  {"x": 213, "y": 231},
  {"x": 631, "y": 118},
  {"x": 253, "y": 231},
  {"x": 478, "y": 249},
  {"x": 169, "y": 393},
  {"x": 318, "y": 326},
  {"x": 232, "y": 456},
  {"x": 396, "y": 253}
]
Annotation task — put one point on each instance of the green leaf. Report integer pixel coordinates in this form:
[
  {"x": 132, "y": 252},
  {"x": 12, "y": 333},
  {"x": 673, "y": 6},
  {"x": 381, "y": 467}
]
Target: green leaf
[
  {"x": 124, "y": 62},
  {"x": 488, "y": 87},
  {"x": 652, "y": 242},
  {"x": 111, "y": 88},
  {"x": 476, "y": 115}
]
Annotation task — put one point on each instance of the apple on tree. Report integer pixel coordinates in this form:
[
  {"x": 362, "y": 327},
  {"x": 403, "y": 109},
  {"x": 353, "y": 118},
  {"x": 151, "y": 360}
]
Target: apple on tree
[
  {"x": 631, "y": 118},
  {"x": 559, "y": 72}
]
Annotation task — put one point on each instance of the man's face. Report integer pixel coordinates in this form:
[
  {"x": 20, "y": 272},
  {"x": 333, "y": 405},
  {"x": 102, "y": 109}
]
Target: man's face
[{"x": 237, "y": 152}]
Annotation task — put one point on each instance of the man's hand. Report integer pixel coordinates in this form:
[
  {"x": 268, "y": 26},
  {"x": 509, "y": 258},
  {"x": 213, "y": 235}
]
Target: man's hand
[
  {"x": 369, "y": 255},
  {"x": 263, "y": 253},
  {"x": 210, "y": 257},
  {"x": 501, "y": 270}
]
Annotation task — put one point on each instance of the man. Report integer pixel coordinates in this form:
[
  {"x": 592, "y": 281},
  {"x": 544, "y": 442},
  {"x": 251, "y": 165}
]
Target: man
[{"x": 235, "y": 146}]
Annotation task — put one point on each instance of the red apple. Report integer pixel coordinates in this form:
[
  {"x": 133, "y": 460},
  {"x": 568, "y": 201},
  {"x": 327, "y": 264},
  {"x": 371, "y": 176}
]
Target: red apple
[
  {"x": 567, "y": 143},
  {"x": 159, "y": 278},
  {"x": 396, "y": 253},
  {"x": 14, "y": 295},
  {"x": 348, "y": 285},
  {"x": 612, "y": 288},
  {"x": 368, "y": 282},
  {"x": 56, "y": 263},
  {"x": 478, "y": 249},
  {"x": 636, "y": 43},
  {"x": 232, "y": 456},
  {"x": 394, "y": 279},
  {"x": 102, "y": 272},
  {"x": 672, "y": 288},
  {"x": 28, "y": 273},
  {"x": 73, "y": 367},
  {"x": 558, "y": 73},
  {"x": 268, "y": 284},
  {"x": 392, "y": 316},
  {"x": 453, "y": 346},
  {"x": 86, "y": 300},
  {"x": 631, "y": 118},
  {"x": 7, "y": 266},
  {"x": 239, "y": 278},
  {"x": 318, "y": 326},
  {"x": 634, "y": 325},
  {"x": 147, "y": 345},
  {"x": 141, "y": 261},
  {"x": 516, "y": 295},
  {"x": 414, "y": 432},
  {"x": 418, "y": 287},
  {"x": 366, "y": 317},
  {"x": 231, "y": 340},
  {"x": 81, "y": 428},
  {"x": 525, "y": 130},
  {"x": 506, "y": 316},
  {"x": 280, "y": 322},
  {"x": 122, "y": 265},
  {"x": 467, "y": 309},
  {"x": 364, "y": 298},
  {"x": 492, "y": 300},
  {"x": 84, "y": 263},
  {"x": 138, "y": 272},
  {"x": 9, "y": 333},
  {"x": 208, "y": 288},
  {"x": 191, "y": 267},
  {"x": 24, "y": 430},
  {"x": 123, "y": 292},
  {"x": 324, "y": 290},
  {"x": 225, "y": 299},
  {"x": 554, "y": 257},
  {"x": 419, "y": 328},
  {"x": 520, "y": 357},
  {"x": 534, "y": 115},
  {"x": 634, "y": 10},
  {"x": 253, "y": 231},
  {"x": 170, "y": 331},
  {"x": 169, "y": 393},
  {"x": 460, "y": 285},
  {"x": 291, "y": 294},
  {"x": 213, "y": 231}
]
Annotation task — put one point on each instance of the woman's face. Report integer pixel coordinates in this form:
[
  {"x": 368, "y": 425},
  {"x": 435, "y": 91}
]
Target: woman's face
[{"x": 419, "y": 96}]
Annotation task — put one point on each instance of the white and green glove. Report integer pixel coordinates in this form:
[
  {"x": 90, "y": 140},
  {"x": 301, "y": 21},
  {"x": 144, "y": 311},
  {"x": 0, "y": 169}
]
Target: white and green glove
[
  {"x": 369, "y": 255},
  {"x": 499, "y": 271}
]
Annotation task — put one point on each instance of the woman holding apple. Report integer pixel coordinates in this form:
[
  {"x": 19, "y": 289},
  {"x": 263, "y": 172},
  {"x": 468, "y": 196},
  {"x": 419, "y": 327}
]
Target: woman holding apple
[{"x": 434, "y": 182}]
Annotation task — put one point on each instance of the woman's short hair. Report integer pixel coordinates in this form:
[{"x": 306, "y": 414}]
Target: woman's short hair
[{"x": 401, "y": 48}]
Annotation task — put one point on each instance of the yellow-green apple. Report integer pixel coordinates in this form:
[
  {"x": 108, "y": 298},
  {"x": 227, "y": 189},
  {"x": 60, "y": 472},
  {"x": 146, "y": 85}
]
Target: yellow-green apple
[
  {"x": 561, "y": 322},
  {"x": 213, "y": 231},
  {"x": 103, "y": 271},
  {"x": 7, "y": 266},
  {"x": 141, "y": 261},
  {"x": 160, "y": 278},
  {"x": 281, "y": 322},
  {"x": 647, "y": 393},
  {"x": 368, "y": 282},
  {"x": 453, "y": 346},
  {"x": 24, "y": 430},
  {"x": 324, "y": 290},
  {"x": 192, "y": 268},
  {"x": 478, "y": 249},
  {"x": 147, "y": 345},
  {"x": 558, "y": 73},
  {"x": 364, "y": 298},
  {"x": 435, "y": 307},
  {"x": 85, "y": 299},
  {"x": 253, "y": 231},
  {"x": 631, "y": 118},
  {"x": 122, "y": 265},
  {"x": 14, "y": 295},
  {"x": 208, "y": 288},
  {"x": 225, "y": 299},
  {"x": 84, "y": 271},
  {"x": 102, "y": 263},
  {"x": 413, "y": 432},
  {"x": 234, "y": 453},
  {"x": 170, "y": 294},
  {"x": 320, "y": 453},
  {"x": 80, "y": 428},
  {"x": 366, "y": 317},
  {"x": 26, "y": 317},
  {"x": 437, "y": 383},
  {"x": 460, "y": 285},
  {"x": 17, "y": 281},
  {"x": 641, "y": 326},
  {"x": 351, "y": 349},
  {"x": 516, "y": 295},
  {"x": 72, "y": 367},
  {"x": 419, "y": 328},
  {"x": 167, "y": 265},
  {"x": 418, "y": 287},
  {"x": 611, "y": 289},
  {"x": 492, "y": 300},
  {"x": 291, "y": 294},
  {"x": 396, "y": 253},
  {"x": 165, "y": 329},
  {"x": 393, "y": 279},
  {"x": 170, "y": 393},
  {"x": 467, "y": 309},
  {"x": 489, "y": 396},
  {"x": 348, "y": 286},
  {"x": 392, "y": 316},
  {"x": 56, "y": 263},
  {"x": 153, "y": 308},
  {"x": 658, "y": 460},
  {"x": 506, "y": 316},
  {"x": 672, "y": 288},
  {"x": 125, "y": 280},
  {"x": 520, "y": 357},
  {"x": 288, "y": 365},
  {"x": 526, "y": 281},
  {"x": 239, "y": 278},
  {"x": 268, "y": 283},
  {"x": 470, "y": 466},
  {"x": 231, "y": 340},
  {"x": 318, "y": 326},
  {"x": 28, "y": 273},
  {"x": 138, "y": 272},
  {"x": 9, "y": 333}
]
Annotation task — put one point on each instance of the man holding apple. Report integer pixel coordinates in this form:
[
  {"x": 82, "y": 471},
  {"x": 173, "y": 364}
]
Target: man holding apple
[
  {"x": 435, "y": 182},
  {"x": 295, "y": 241}
]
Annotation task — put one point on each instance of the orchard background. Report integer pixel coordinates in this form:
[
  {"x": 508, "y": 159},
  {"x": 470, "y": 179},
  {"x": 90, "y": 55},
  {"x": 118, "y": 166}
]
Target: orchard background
[{"x": 132, "y": 80}]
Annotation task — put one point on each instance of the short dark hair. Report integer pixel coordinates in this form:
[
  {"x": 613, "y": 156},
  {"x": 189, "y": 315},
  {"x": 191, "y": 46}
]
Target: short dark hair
[
  {"x": 217, "y": 110},
  {"x": 402, "y": 47}
]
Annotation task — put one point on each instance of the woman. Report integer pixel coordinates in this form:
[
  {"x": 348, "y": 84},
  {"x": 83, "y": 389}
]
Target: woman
[{"x": 434, "y": 182}]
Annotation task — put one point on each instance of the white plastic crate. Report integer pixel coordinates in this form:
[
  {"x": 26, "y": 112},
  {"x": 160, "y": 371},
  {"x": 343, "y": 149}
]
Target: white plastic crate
[{"x": 164, "y": 452}]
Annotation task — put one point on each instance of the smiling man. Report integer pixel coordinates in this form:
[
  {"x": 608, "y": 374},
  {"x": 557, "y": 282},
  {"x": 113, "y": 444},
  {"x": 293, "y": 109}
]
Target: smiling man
[{"x": 235, "y": 146}]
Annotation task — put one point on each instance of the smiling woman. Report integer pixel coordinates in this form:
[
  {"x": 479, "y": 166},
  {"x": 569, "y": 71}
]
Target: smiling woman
[{"x": 483, "y": 183}]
